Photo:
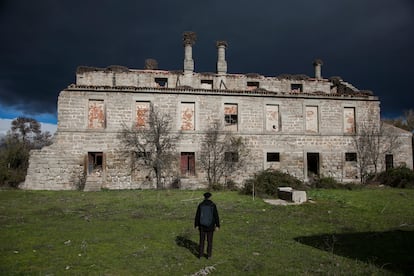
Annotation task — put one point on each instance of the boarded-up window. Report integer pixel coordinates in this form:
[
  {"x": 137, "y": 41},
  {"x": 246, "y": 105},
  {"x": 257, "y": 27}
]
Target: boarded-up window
[
  {"x": 349, "y": 120},
  {"x": 96, "y": 114},
  {"x": 187, "y": 116},
  {"x": 187, "y": 163},
  {"x": 230, "y": 117},
  {"x": 311, "y": 114},
  {"x": 272, "y": 118},
  {"x": 142, "y": 110}
]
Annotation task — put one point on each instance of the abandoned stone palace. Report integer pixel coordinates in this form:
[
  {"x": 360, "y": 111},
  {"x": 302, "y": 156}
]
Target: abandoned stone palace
[{"x": 301, "y": 125}]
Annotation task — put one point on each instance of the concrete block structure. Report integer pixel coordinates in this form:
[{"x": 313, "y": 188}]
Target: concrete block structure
[{"x": 294, "y": 123}]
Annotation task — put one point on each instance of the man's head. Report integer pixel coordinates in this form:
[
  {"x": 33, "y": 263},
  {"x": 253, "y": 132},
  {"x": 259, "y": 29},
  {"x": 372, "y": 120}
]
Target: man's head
[{"x": 207, "y": 195}]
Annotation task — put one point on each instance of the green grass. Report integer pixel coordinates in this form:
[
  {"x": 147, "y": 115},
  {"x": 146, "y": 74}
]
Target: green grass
[{"x": 360, "y": 232}]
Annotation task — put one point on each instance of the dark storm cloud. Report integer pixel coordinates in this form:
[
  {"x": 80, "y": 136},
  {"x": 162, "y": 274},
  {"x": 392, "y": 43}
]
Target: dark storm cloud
[{"x": 368, "y": 43}]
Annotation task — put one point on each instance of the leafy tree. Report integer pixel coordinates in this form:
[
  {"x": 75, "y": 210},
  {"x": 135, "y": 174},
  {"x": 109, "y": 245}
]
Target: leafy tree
[
  {"x": 24, "y": 135},
  {"x": 152, "y": 144},
  {"x": 222, "y": 154}
]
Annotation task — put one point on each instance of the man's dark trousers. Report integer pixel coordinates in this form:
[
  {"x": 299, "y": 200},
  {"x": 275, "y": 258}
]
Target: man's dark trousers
[{"x": 203, "y": 235}]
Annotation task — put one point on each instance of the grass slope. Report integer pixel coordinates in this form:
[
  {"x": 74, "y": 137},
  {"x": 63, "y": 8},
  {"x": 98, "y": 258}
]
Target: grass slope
[{"x": 151, "y": 233}]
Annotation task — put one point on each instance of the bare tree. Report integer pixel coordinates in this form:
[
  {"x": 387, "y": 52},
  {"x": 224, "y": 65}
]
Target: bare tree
[
  {"x": 372, "y": 143},
  {"x": 151, "y": 144},
  {"x": 222, "y": 154}
]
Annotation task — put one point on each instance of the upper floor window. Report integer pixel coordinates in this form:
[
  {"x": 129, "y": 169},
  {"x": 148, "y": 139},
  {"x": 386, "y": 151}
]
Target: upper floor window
[
  {"x": 161, "y": 82},
  {"x": 230, "y": 117},
  {"x": 187, "y": 116},
  {"x": 206, "y": 84},
  {"x": 296, "y": 87},
  {"x": 231, "y": 156},
  {"x": 311, "y": 119},
  {"x": 142, "y": 110},
  {"x": 96, "y": 114},
  {"x": 349, "y": 120},
  {"x": 272, "y": 118},
  {"x": 251, "y": 85}
]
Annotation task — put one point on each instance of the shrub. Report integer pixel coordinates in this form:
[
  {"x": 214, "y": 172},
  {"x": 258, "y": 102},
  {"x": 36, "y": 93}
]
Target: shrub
[
  {"x": 400, "y": 177},
  {"x": 266, "y": 183}
]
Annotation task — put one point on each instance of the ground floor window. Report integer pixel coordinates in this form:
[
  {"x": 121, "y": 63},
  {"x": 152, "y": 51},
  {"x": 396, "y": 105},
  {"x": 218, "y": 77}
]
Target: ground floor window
[
  {"x": 187, "y": 163},
  {"x": 272, "y": 157}
]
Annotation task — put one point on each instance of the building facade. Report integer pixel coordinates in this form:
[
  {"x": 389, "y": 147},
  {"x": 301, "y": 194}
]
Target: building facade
[{"x": 297, "y": 124}]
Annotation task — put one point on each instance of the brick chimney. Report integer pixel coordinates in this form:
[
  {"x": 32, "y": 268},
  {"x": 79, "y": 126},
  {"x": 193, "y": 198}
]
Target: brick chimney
[
  {"x": 189, "y": 39},
  {"x": 318, "y": 66},
  {"x": 221, "y": 57}
]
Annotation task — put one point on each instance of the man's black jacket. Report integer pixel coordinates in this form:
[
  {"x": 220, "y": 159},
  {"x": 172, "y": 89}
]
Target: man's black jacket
[{"x": 216, "y": 219}]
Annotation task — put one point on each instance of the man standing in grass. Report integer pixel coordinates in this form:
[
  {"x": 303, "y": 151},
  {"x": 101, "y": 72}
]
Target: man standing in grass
[{"x": 207, "y": 220}]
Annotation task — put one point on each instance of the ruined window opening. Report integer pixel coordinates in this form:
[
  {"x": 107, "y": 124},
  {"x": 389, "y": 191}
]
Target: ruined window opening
[
  {"x": 273, "y": 157},
  {"x": 313, "y": 163},
  {"x": 230, "y": 117},
  {"x": 207, "y": 84},
  {"x": 296, "y": 87},
  {"x": 187, "y": 163},
  {"x": 161, "y": 82},
  {"x": 231, "y": 156},
  {"x": 389, "y": 161},
  {"x": 95, "y": 163},
  {"x": 350, "y": 156},
  {"x": 251, "y": 85}
]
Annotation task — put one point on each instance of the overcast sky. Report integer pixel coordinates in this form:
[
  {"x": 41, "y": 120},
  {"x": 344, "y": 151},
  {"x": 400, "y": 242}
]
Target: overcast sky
[{"x": 369, "y": 43}]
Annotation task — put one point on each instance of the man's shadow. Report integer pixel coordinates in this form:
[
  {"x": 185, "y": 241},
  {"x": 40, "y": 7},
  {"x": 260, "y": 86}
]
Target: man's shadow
[{"x": 186, "y": 243}]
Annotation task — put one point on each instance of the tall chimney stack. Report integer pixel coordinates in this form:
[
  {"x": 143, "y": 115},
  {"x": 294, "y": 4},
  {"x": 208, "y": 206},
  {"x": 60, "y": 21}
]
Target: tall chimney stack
[
  {"x": 318, "y": 66},
  {"x": 189, "y": 39},
  {"x": 221, "y": 57}
]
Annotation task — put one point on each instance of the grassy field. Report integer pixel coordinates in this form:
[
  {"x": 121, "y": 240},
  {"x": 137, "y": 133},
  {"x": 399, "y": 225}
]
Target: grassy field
[{"x": 361, "y": 232}]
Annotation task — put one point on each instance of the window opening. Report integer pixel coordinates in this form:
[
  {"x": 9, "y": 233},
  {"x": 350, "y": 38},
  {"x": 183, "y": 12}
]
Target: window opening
[
  {"x": 161, "y": 82},
  {"x": 389, "y": 161},
  {"x": 231, "y": 157},
  {"x": 350, "y": 156},
  {"x": 273, "y": 157},
  {"x": 251, "y": 85},
  {"x": 207, "y": 84},
  {"x": 187, "y": 163},
  {"x": 230, "y": 116},
  {"x": 95, "y": 163},
  {"x": 296, "y": 87}
]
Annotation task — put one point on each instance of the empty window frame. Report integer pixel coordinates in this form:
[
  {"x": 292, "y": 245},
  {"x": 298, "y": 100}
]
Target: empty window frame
[
  {"x": 187, "y": 163},
  {"x": 95, "y": 163},
  {"x": 350, "y": 157},
  {"x": 252, "y": 85},
  {"x": 187, "y": 116},
  {"x": 206, "y": 84},
  {"x": 142, "y": 111},
  {"x": 296, "y": 87},
  {"x": 272, "y": 118},
  {"x": 230, "y": 117},
  {"x": 161, "y": 82},
  {"x": 349, "y": 120},
  {"x": 272, "y": 157},
  {"x": 96, "y": 114},
  {"x": 231, "y": 156},
  {"x": 311, "y": 119}
]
